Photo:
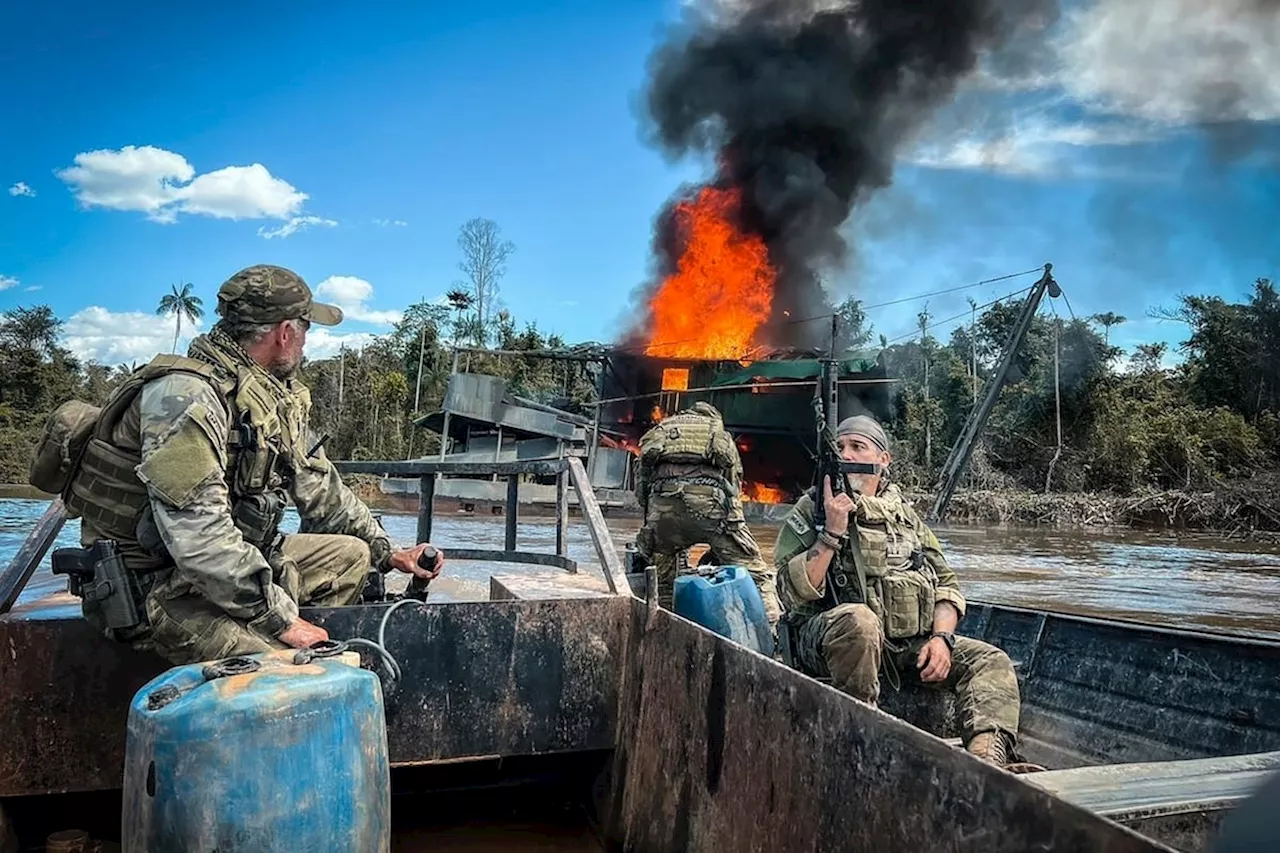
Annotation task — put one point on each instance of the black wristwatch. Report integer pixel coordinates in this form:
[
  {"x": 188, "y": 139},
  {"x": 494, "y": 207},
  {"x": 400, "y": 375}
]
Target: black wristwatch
[{"x": 948, "y": 638}]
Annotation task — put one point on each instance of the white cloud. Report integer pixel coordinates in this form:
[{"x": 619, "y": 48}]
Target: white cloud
[
  {"x": 1035, "y": 146},
  {"x": 322, "y": 343},
  {"x": 386, "y": 223},
  {"x": 163, "y": 184},
  {"x": 1175, "y": 61},
  {"x": 21, "y": 189},
  {"x": 1126, "y": 74},
  {"x": 294, "y": 225},
  {"x": 113, "y": 338},
  {"x": 352, "y": 295},
  {"x": 7, "y": 281},
  {"x": 99, "y": 334},
  {"x": 32, "y": 289}
]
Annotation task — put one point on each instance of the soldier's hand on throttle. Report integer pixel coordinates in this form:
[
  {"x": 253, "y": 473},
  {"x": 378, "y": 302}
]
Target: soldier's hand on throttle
[
  {"x": 302, "y": 634},
  {"x": 934, "y": 661},
  {"x": 406, "y": 560},
  {"x": 838, "y": 508}
]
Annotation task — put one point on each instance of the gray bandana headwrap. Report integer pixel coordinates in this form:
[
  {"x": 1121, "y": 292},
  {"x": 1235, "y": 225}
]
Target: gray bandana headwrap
[{"x": 865, "y": 426}]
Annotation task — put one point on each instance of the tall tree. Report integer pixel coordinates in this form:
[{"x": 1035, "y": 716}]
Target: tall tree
[
  {"x": 484, "y": 263},
  {"x": 180, "y": 303},
  {"x": 853, "y": 331},
  {"x": 1106, "y": 320},
  {"x": 31, "y": 328}
]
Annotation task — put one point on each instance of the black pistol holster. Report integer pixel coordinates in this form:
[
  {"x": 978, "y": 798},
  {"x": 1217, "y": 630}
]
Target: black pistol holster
[{"x": 104, "y": 584}]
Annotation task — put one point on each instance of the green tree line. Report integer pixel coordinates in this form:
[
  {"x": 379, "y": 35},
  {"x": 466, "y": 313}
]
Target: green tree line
[{"x": 1127, "y": 423}]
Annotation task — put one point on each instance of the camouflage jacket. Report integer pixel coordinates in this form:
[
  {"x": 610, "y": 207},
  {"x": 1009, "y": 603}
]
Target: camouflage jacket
[
  {"x": 185, "y": 426},
  {"x": 887, "y": 531}
]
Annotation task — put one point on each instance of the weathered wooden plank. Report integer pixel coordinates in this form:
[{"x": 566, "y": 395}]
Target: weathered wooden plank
[
  {"x": 419, "y": 467},
  {"x": 1151, "y": 787},
  {"x": 543, "y": 587},
  {"x": 610, "y": 562},
  {"x": 723, "y": 749},
  {"x": 27, "y": 560}
]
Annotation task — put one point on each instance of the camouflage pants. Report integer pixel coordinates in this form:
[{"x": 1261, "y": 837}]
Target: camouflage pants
[
  {"x": 846, "y": 644},
  {"x": 325, "y": 570},
  {"x": 679, "y": 521}
]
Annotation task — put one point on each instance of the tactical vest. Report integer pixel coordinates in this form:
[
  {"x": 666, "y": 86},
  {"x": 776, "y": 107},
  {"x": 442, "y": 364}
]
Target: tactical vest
[
  {"x": 689, "y": 438},
  {"x": 106, "y": 492},
  {"x": 887, "y": 556}
]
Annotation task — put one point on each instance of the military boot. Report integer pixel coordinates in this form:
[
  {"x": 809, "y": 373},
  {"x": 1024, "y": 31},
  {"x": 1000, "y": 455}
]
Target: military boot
[{"x": 997, "y": 748}]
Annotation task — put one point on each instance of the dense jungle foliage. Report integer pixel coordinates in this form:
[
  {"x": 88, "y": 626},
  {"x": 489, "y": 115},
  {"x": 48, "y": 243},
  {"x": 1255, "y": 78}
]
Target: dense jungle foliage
[{"x": 1127, "y": 423}]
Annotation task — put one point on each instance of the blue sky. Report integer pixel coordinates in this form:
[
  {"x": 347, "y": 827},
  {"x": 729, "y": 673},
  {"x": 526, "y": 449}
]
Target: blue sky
[{"x": 350, "y": 141}]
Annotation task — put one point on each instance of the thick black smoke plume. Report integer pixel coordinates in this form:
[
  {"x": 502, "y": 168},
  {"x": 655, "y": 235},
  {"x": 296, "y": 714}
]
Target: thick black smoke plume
[{"x": 805, "y": 108}]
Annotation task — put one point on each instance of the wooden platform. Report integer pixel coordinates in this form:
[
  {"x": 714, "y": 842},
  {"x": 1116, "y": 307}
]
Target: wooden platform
[
  {"x": 545, "y": 587},
  {"x": 555, "y": 586},
  {"x": 1181, "y": 803},
  {"x": 1120, "y": 791}
]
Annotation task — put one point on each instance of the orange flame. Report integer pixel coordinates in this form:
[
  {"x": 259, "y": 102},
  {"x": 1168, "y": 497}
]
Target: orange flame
[
  {"x": 722, "y": 289},
  {"x": 762, "y": 494},
  {"x": 675, "y": 379}
]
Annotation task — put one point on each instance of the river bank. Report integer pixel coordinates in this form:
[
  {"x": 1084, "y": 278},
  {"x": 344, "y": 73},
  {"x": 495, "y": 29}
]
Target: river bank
[{"x": 1248, "y": 510}]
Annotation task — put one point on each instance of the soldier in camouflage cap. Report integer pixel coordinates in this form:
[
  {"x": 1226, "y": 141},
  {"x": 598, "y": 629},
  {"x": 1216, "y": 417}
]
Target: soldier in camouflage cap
[
  {"x": 871, "y": 594},
  {"x": 269, "y": 294},
  {"x": 195, "y": 461}
]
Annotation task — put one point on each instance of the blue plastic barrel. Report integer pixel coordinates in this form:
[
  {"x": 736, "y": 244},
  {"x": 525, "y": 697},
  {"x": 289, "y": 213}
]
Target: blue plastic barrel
[
  {"x": 257, "y": 754},
  {"x": 728, "y": 603}
]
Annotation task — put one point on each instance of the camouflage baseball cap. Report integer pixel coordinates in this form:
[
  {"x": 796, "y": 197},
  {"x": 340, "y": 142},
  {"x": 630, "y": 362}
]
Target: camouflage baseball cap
[{"x": 269, "y": 294}]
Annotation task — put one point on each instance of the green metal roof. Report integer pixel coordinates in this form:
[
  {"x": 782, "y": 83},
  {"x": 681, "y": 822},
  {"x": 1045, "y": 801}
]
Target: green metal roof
[{"x": 855, "y": 362}]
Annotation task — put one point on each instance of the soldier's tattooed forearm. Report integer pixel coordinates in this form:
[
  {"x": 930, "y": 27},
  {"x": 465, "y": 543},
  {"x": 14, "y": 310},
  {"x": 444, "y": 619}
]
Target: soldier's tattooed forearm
[{"x": 813, "y": 553}]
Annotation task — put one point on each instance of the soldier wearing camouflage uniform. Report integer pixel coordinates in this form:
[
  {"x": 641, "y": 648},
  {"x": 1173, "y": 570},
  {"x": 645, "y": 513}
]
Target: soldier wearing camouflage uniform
[
  {"x": 688, "y": 489},
  {"x": 190, "y": 469},
  {"x": 871, "y": 593}
]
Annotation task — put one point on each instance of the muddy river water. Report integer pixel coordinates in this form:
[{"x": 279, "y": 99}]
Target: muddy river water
[{"x": 1159, "y": 577}]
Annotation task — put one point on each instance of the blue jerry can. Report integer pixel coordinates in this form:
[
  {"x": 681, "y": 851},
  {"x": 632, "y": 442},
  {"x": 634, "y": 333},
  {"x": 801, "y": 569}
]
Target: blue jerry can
[
  {"x": 255, "y": 754},
  {"x": 728, "y": 603}
]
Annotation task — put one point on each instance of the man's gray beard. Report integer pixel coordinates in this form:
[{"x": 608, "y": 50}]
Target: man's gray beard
[{"x": 285, "y": 369}]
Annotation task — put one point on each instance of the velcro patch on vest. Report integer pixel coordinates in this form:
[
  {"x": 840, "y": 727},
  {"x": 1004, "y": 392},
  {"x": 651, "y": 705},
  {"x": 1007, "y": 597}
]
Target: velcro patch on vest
[
  {"x": 187, "y": 458},
  {"x": 797, "y": 522}
]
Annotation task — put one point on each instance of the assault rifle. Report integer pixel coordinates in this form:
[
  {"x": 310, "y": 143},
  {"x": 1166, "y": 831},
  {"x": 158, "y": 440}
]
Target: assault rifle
[{"x": 829, "y": 463}]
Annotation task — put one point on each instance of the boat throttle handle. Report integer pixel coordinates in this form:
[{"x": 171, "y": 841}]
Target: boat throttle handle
[{"x": 418, "y": 586}]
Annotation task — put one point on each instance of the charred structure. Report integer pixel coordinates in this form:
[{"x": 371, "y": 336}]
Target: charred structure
[{"x": 767, "y": 405}]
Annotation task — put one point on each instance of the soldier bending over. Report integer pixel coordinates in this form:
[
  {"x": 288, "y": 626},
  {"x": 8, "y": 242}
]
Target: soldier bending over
[{"x": 688, "y": 488}]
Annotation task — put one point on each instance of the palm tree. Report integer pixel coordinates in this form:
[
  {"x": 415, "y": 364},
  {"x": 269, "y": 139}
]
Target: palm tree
[
  {"x": 1106, "y": 321},
  {"x": 460, "y": 300},
  {"x": 180, "y": 303}
]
